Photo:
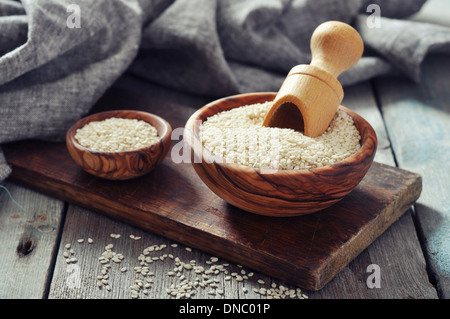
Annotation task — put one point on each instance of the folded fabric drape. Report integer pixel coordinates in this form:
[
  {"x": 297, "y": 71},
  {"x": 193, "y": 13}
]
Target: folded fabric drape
[{"x": 57, "y": 57}]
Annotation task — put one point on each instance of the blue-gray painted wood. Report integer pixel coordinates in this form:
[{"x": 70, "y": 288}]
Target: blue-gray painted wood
[
  {"x": 28, "y": 242},
  {"x": 417, "y": 117}
]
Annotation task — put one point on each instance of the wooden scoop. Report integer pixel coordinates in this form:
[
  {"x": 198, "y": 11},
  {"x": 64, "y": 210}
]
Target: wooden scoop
[{"x": 311, "y": 94}]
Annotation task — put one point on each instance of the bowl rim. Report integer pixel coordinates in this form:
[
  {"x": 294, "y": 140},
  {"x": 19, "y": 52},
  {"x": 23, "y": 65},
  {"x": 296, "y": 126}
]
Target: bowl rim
[
  {"x": 70, "y": 135},
  {"x": 368, "y": 148}
]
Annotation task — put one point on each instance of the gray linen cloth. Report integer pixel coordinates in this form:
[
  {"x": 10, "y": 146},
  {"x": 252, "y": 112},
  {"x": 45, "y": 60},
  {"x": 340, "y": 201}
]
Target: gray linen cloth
[{"x": 57, "y": 61}]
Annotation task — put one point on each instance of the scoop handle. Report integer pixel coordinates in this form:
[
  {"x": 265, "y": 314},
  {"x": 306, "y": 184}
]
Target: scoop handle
[{"x": 335, "y": 47}]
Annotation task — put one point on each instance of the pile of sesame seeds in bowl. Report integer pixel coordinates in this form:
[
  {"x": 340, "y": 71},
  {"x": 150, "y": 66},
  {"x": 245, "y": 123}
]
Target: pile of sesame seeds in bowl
[
  {"x": 237, "y": 136},
  {"x": 117, "y": 135}
]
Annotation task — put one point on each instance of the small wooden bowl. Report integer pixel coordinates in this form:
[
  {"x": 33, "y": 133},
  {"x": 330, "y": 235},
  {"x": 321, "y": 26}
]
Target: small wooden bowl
[
  {"x": 120, "y": 165},
  {"x": 284, "y": 192}
]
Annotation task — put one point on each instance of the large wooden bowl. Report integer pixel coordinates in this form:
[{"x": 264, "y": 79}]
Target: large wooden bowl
[
  {"x": 284, "y": 192},
  {"x": 120, "y": 165}
]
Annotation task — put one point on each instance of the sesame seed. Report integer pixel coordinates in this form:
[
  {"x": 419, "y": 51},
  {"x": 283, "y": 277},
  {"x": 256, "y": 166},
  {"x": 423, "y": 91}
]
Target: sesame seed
[{"x": 134, "y": 294}]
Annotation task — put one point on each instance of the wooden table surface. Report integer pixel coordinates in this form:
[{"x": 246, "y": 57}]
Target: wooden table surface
[{"x": 412, "y": 257}]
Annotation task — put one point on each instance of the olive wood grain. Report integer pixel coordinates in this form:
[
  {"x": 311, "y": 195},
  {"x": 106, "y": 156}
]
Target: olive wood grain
[
  {"x": 311, "y": 94},
  {"x": 283, "y": 192},
  {"x": 120, "y": 165}
]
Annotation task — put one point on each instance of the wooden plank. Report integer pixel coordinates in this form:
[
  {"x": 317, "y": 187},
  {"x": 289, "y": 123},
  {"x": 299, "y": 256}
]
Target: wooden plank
[
  {"x": 418, "y": 122},
  {"x": 174, "y": 203},
  {"x": 29, "y": 239},
  {"x": 360, "y": 99},
  {"x": 79, "y": 280},
  {"x": 397, "y": 251}
]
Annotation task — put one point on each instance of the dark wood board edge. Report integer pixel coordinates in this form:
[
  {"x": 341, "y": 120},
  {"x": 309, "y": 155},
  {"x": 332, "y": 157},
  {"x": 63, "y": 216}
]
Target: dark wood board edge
[{"x": 366, "y": 236}]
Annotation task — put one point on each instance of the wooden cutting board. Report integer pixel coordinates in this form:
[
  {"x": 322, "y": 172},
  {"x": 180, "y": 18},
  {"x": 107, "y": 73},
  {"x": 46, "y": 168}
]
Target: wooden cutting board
[{"x": 172, "y": 201}]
